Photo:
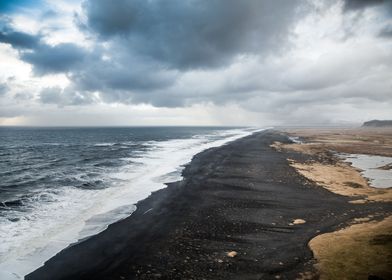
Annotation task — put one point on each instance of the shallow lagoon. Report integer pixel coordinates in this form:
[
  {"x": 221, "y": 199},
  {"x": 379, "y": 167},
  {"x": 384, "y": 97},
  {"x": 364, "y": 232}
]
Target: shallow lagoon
[{"x": 371, "y": 168}]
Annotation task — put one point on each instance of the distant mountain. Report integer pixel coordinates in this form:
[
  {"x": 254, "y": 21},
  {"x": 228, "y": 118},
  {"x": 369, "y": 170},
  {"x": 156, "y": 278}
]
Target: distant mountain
[{"x": 377, "y": 123}]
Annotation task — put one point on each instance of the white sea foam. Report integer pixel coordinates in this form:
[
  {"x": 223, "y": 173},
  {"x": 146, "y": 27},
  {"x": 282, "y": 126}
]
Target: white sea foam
[
  {"x": 104, "y": 144},
  {"x": 72, "y": 213},
  {"x": 295, "y": 139}
]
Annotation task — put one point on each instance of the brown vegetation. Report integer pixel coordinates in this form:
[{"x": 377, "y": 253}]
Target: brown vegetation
[
  {"x": 342, "y": 179},
  {"x": 363, "y": 250},
  {"x": 332, "y": 173},
  {"x": 358, "y": 252},
  {"x": 373, "y": 141}
]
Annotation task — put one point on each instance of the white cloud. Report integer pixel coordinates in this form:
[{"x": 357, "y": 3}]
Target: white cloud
[{"x": 333, "y": 68}]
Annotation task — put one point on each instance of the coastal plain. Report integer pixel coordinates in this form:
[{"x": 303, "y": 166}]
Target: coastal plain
[{"x": 364, "y": 249}]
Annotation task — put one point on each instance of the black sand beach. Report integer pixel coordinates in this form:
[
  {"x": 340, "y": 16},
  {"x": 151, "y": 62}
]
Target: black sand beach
[{"x": 240, "y": 197}]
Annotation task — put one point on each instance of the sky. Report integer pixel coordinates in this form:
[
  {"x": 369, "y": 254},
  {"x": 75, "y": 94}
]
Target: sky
[{"x": 195, "y": 62}]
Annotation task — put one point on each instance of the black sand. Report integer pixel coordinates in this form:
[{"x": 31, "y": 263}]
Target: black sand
[{"x": 240, "y": 197}]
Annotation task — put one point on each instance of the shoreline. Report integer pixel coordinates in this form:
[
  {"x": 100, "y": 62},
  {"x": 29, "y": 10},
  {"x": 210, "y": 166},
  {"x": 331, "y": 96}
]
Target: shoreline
[
  {"x": 139, "y": 177},
  {"x": 242, "y": 197}
]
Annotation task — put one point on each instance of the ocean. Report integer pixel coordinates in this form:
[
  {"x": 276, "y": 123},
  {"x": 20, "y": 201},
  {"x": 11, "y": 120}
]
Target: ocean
[{"x": 61, "y": 185}]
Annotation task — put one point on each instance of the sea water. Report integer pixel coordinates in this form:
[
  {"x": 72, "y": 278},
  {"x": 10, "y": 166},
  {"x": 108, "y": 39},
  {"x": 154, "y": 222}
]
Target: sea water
[{"x": 61, "y": 185}]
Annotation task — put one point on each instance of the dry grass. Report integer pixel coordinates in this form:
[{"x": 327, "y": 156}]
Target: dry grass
[
  {"x": 362, "y": 249},
  {"x": 374, "y": 141},
  {"x": 342, "y": 179},
  {"x": 334, "y": 174},
  {"x": 355, "y": 252},
  {"x": 308, "y": 148}
]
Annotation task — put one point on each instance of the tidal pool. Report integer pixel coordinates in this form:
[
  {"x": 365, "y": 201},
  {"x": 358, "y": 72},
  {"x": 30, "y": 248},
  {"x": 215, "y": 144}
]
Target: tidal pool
[{"x": 374, "y": 168}]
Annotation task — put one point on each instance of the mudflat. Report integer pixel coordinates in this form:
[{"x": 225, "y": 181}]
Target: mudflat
[{"x": 241, "y": 212}]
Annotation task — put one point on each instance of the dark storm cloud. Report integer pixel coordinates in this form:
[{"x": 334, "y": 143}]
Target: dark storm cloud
[
  {"x": 141, "y": 50},
  {"x": 122, "y": 71},
  {"x": 361, "y": 4},
  {"x": 150, "y": 44},
  {"x": 88, "y": 70},
  {"x": 54, "y": 59},
  {"x": 19, "y": 40},
  {"x": 193, "y": 34},
  {"x": 45, "y": 59},
  {"x": 386, "y": 32},
  {"x": 384, "y": 6}
]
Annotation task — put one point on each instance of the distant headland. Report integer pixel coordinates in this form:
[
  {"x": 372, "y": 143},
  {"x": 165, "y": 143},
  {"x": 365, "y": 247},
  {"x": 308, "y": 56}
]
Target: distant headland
[{"x": 377, "y": 123}]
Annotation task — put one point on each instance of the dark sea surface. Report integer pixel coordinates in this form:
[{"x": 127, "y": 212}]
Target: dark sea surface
[{"x": 59, "y": 185}]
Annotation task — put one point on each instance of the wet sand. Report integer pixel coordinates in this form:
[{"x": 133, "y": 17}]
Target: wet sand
[{"x": 243, "y": 197}]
